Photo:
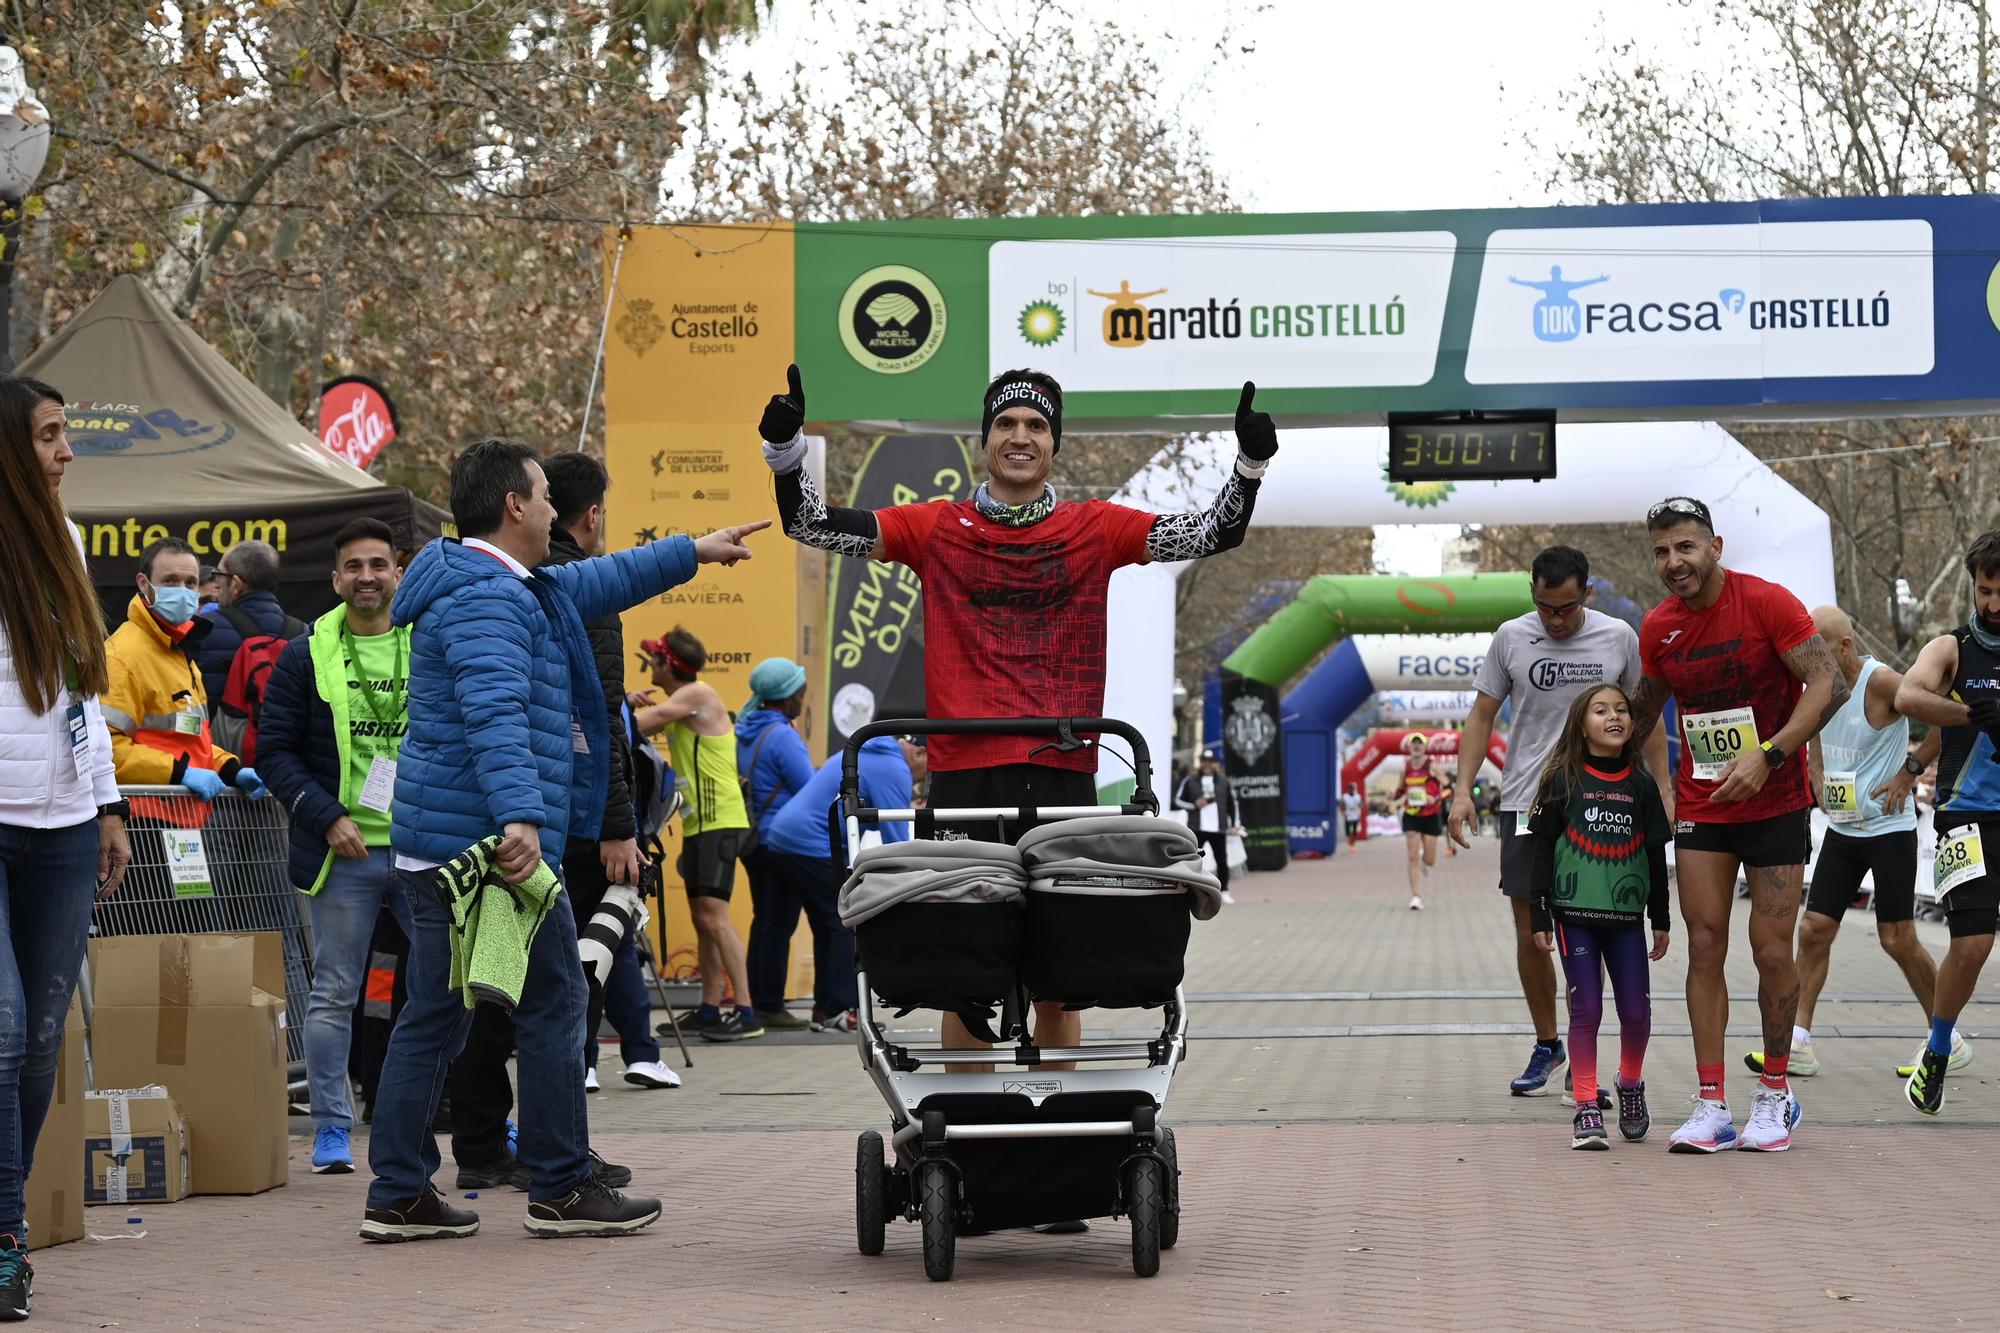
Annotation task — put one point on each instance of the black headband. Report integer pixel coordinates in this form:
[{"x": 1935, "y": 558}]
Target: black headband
[{"x": 1009, "y": 392}]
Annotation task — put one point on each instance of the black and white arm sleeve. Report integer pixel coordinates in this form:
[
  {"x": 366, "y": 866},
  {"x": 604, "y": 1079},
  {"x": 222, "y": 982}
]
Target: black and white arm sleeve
[
  {"x": 806, "y": 518},
  {"x": 1210, "y": 531}
]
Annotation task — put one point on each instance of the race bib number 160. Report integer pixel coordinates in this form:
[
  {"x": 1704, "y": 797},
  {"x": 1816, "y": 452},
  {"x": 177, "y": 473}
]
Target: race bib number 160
[{"x": 1714, "y": 740}]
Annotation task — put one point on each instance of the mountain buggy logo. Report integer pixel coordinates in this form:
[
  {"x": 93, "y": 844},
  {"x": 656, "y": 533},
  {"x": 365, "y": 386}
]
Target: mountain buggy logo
[{"x": 892, "y": 319}]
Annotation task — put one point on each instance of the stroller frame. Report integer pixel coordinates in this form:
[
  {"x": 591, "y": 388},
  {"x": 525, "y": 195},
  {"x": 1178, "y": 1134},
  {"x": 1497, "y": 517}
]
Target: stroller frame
[{"x": 915, "y": 1174}]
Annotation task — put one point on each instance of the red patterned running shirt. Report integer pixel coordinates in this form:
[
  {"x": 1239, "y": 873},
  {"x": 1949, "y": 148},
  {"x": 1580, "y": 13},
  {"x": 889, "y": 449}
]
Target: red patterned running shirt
[
  {"x": 1013, "y": 617},
  {"x": 1723, "y": 660}
]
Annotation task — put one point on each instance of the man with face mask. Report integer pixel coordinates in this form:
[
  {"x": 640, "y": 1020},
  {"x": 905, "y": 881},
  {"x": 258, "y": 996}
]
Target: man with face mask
[
  {"x": 1955, "y": 684},
  {"x": 772, "y": 757},
  {"x": 335, "y": 711},
  {"x": 156, "y": 706}
]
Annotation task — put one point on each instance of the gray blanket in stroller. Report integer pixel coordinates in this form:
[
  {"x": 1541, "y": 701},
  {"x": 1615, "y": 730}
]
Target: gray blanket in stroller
[
  {"x": 932, "y": 872},
  {"x": 1114, "y": 847}
]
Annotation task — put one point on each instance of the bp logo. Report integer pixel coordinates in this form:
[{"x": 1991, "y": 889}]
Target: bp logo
[
  {"x": 1416, "y": 494},
  {"x": 1041, "y": 324},
  {"x": 1250, "y": 729},
  {"x": 892, "y": 319}
]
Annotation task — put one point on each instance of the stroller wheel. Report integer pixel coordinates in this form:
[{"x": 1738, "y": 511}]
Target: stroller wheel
[
  {"x": 1147, "y": 1205},
  {"x": 937, "y": 1207},
  {"x": 1170, "y": 1213},
  {"x": 871, "y": 1194}
]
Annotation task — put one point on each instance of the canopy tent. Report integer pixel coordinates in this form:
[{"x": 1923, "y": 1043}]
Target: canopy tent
[
  {"x": 172, "y": 440},
  {"x": 1330, "y": 478}
]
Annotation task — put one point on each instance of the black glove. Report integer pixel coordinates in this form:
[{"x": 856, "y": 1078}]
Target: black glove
[
  {"x": 1985, "y": 715},
  {"x": 1256, "y": 435},
  {"x": 785, "y": 414}
]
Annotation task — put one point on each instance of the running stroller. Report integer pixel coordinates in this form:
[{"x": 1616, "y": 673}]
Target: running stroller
[{"x": 1092, "y": 908}]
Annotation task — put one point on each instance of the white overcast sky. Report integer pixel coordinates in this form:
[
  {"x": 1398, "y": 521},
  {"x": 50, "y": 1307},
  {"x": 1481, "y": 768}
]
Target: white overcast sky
[{"x": 1353, "y": 104}]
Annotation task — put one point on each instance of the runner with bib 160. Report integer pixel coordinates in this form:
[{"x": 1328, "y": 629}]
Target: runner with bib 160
[
  {"x": 1732, "y": 650},
  {"x": 1955, "y": 684}
]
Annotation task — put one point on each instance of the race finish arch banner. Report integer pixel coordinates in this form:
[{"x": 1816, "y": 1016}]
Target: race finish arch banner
[{"x": 1777, "y": 308}]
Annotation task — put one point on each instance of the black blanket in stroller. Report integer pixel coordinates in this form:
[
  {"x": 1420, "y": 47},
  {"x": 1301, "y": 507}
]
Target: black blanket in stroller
[
  {"x": 937, "y": 925},
  {"x": 1110, "y": 899}
]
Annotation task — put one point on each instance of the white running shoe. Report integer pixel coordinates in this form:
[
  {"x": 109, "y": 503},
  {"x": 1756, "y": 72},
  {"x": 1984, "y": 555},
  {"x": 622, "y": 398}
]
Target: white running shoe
[
  {"x": 1709, "y": 1129},
  {"x": 589, "y": 1078},
  {"x": 1416, "y": 903},
  {"x": 1772, "y": 1115},
  {"x": 1228, "y": 898},
  {"x": 1961, "y": 1056},
  {"x": 651, "y": 1074}
]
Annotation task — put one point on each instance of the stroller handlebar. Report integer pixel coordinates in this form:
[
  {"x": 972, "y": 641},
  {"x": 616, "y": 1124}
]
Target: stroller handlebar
[{"x": 1070, "y": 733}]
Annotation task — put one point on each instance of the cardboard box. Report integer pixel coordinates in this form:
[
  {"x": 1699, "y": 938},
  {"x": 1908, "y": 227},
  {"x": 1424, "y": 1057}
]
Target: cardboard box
[
  {"x": 54, "y": 1193},
  {"x": 135, "y": 1147},
  {"x": 193, "y": 1013},
  {"x": 140, "y": 971}
]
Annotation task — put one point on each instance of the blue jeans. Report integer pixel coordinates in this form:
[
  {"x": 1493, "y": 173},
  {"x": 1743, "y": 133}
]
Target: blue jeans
[
  {"x": 48, "y": 881},
  {"x": 813, "y": 885},
  {"x": 548, "y": 1027},
  {"x": 629, "y": 1007},
  {"x": 774, "y": 918},
  {"x": 344, "y": 912}
]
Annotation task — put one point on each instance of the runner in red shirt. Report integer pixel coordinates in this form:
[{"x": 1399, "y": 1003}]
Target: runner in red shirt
[
  {"x": 1732, "y": 651},
  {"x": 1015, "y": 585}
]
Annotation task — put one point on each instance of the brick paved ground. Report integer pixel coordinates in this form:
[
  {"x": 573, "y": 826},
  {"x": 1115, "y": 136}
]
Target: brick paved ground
[{"x": 1351, "y": 1159}]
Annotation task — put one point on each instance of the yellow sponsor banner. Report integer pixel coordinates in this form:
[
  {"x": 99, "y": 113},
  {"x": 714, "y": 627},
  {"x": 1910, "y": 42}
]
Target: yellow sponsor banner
[{"x": 699, "y": 340}]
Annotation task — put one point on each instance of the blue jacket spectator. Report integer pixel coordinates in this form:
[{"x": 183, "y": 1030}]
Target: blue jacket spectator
[
  {"x": 531, "y": 699},
  {"x": 249, "y": 574},
  {"x": 802, "y": 828},
  {"x": 770, "y": 754}
]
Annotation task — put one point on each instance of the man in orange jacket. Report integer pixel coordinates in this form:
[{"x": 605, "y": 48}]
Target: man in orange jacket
[{"x": 156, "y": 707}]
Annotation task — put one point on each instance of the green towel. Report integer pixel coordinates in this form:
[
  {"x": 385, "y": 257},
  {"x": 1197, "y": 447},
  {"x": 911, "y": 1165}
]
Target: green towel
[{"x": 493, "y": 923}]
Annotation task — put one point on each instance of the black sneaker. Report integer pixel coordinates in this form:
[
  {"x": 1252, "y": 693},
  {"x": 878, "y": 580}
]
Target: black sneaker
[
  {"x": 1587, "y": 1129},
  {"x": 17, "y": 1280},
  {"x": 608, "y": 1174},
  {"x": 426, "y": 1217},
  {"x": 1634, "y": 1119},
  {"x": 732, "y": 1026},
  {"x": 507, "y": 1171},
  {"x": 1925, "y": 1087},
  {"x": 591, "y": 1209}
]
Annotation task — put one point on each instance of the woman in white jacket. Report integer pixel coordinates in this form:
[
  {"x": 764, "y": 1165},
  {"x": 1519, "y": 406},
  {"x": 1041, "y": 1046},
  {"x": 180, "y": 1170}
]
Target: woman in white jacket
[{"x": 62, "y": 827}]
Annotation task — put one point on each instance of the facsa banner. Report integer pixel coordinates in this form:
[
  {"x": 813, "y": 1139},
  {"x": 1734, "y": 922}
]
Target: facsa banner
[{"x": 1743, "y": 302}]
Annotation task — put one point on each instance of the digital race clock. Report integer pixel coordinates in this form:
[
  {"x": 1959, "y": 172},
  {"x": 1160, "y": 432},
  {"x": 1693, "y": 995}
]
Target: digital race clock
[{"x": 1472, "y": 446}]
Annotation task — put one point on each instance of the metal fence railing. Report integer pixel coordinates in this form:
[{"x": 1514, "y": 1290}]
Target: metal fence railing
[{"x": 201, "y": 867}]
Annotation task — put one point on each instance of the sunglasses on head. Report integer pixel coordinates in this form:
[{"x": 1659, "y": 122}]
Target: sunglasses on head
[{"x": 1684, "y": 506}]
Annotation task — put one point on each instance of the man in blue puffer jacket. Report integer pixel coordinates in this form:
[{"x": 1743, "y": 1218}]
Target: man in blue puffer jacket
[{"x": 508, "y": 735}]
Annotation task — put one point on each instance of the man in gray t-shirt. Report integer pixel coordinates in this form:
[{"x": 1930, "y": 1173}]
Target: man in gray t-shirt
[{"x": 1539, "y": 663}]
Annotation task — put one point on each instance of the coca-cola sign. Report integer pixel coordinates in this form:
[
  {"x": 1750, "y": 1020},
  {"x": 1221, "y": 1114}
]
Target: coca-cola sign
[{"x": 356, "y": 418}]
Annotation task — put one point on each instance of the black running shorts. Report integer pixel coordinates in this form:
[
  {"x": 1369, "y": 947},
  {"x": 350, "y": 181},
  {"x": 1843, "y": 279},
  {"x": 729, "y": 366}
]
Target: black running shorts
[
  {"x": 1517, "y": 856},
  {"x": 1781, "y": 840},
  {"x": 708, "y": 862},
  {"x": 1431, "y": 825},
  {"x": 1845, "y": 858},
  {"x": 1973, "y": 908}
]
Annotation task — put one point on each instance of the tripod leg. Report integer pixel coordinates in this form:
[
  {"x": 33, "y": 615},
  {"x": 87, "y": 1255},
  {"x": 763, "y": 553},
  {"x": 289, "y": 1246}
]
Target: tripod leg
[{"x": 660, "y": 990}]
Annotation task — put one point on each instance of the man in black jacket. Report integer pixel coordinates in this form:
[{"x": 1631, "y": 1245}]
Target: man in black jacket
[{"x": 1211, "y": 808}]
